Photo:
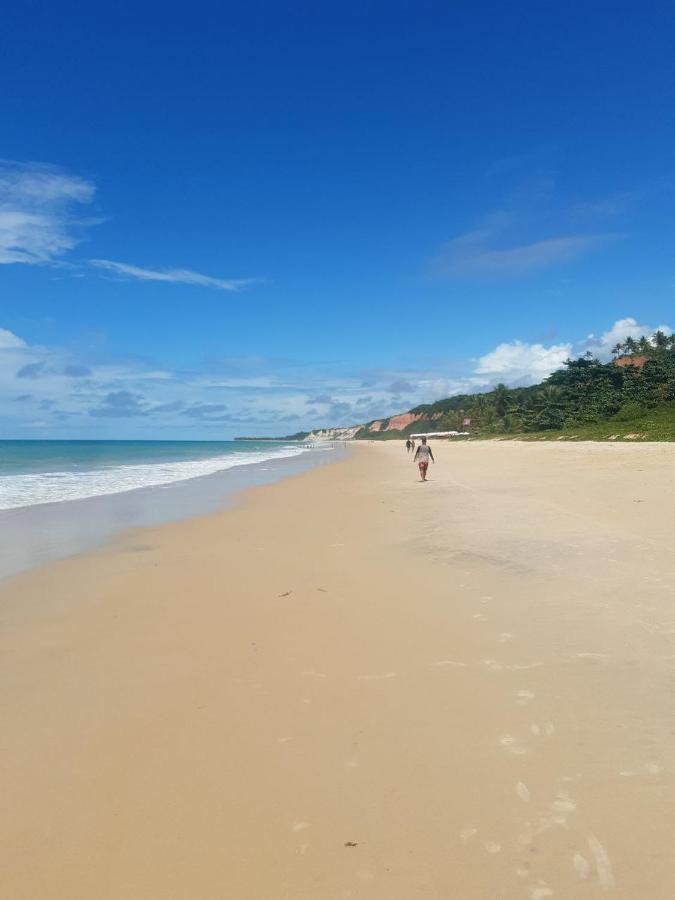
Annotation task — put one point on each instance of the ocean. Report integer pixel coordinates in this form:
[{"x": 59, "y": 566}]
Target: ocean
[
  {"x": 59, "y": 498},
  {"x": 35, "y": 472}
]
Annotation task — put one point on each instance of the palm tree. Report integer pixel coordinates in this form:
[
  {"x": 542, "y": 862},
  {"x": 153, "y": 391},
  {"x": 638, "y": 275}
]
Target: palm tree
[
  {"x": 644, "y": 344},
  {"x": 630, "y": 345},
  {"x": 483, "y": 409},
  {"x": 617, "y": 349},
  {"x": 549, "y": 394},
  {"x": 660, "y": 339},
  {"x": 501, "y": 400}
]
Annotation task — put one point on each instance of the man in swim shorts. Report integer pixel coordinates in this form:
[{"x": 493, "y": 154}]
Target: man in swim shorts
[{"x": 422, "y": 455}]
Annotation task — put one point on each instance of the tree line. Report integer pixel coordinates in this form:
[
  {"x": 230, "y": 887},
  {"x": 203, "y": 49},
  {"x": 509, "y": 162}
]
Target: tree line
[{"x": 641, "y": 376}]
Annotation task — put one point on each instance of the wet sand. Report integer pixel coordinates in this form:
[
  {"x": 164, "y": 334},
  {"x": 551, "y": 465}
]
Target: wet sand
[{"x": 354, "y": 685}]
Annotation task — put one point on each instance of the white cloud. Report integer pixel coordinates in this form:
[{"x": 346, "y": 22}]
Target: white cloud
[
  {"x": 602, "y": 345},
  {"x": 37, "y": 224},
  {"x": 182, "y": 276},
  {"x": 10, "y": 341},
  {"x": 522, "y": 362},
  {"x": 267, "y": 396}
]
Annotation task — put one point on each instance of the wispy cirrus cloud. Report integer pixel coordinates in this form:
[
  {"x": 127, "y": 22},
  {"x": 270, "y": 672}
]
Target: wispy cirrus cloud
[
  {"x": 176, "y": 276},
  {"x": 490, "y": 252},
  {"x": 38, "y": 222},
  {"x": 533, "y": 228},
  {"x": 41, "y": 222}
]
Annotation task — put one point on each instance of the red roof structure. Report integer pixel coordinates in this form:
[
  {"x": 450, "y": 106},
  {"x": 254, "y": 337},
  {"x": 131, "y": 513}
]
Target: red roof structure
[{"x": 636, "y": 361}]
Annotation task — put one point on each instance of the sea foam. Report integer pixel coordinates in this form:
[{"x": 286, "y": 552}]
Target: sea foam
[{"x": 30, "y": 489}]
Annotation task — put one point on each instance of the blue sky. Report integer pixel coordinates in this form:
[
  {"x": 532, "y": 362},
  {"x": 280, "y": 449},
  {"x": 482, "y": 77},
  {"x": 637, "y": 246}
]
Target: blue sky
[{"x": 257, "y": 218}]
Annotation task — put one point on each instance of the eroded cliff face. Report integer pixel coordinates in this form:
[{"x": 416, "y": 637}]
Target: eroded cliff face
[
  {"x": 401, "y": 421},
  {"x": 379, "y": 426},
  {"x": 398, "y": 423}
]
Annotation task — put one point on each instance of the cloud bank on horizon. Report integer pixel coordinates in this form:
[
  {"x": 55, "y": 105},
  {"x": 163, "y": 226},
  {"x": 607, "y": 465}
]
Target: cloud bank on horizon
[
  {"x": 46, "y": 391},
  {"x": 54, "y": 391}
]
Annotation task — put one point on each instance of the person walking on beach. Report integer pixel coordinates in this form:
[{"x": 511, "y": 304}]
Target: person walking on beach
[
  {"x": 408, "y": 445},
  {"x": 421, "y": 457}
]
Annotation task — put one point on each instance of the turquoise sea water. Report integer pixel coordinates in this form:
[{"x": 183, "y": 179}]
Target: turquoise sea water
[{"x": 35, "y": 472}]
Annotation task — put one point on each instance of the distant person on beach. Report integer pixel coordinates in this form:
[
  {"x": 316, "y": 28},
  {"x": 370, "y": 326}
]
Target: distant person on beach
[
  {"x": 422, "y": 458},
  {"x": 408, "y": 445}
]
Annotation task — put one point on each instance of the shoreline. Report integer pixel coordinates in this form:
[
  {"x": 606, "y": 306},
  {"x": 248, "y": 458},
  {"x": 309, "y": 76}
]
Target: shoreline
[
  {"x": 37, "y": 534},
  {"x": 355, "y": 685}
]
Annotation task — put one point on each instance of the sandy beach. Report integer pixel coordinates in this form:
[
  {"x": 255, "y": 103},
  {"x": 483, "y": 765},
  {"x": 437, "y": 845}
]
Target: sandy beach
[{"x": 355, "y": 685}]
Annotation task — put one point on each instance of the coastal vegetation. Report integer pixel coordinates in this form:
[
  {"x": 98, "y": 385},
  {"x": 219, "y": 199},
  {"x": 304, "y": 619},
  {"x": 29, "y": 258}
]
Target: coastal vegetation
[{"x": 631, "y": 397}]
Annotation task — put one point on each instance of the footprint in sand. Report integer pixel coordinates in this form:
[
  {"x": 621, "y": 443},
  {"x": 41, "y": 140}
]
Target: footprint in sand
[
  {"x": 541, "y": 893},
  {"x": 547, "y": 729},
  {"x": 581, "y": 866},
  {"x": 563, "y": 803},
  {"x": 521, "y": 667},
  {"x": 512, "y": 744},
  {"x": 523, "y": 791},
  {"x": 493, "y": 665},
  {"x": 603, "y": 866}
]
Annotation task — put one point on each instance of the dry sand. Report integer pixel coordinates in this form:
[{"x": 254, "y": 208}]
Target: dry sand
[{"x": 357, "y": 686}]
